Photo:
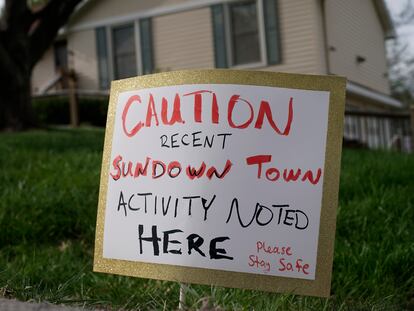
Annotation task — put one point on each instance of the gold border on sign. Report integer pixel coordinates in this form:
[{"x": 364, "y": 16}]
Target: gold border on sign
[{"x": 320, "y": 286}]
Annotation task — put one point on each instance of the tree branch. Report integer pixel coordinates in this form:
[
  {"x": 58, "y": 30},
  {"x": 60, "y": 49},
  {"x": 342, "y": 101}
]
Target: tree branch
[
  {"x": 50, "y": 19},
  {"x": 18, "y": 16}
]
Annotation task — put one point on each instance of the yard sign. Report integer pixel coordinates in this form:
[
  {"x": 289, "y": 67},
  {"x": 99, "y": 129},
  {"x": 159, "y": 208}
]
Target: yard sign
[{"x": 222, "y": 177}]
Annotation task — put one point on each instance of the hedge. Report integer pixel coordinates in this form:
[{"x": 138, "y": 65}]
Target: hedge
[{"x": 55, "y": 109}]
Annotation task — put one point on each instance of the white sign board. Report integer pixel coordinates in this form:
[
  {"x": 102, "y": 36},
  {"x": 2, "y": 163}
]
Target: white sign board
[{"x": 218, "y": 176}]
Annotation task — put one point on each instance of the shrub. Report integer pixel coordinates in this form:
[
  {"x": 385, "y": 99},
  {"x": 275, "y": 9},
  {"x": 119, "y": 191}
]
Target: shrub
[{"x": 55, "y": 109}]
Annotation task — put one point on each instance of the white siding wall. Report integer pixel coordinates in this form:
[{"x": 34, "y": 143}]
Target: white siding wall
[
  {"x": 82, "y": 58},
  {"x": 43, "y": 72},
  {"x": 301, "y": 37},
  {"x": 183, "y": 40},
  {"x": 355, "y": 29}
]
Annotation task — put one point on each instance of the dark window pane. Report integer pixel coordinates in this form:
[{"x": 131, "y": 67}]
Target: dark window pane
[
  {"x": 102, "y": 51},
  {"x": 245, "y": 32},
  {"x": 61, "y": 55},
  {"x": 124, "y": 52}
]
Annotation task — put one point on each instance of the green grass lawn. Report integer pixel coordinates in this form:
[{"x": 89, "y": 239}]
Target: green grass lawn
[{"x": 49, "y": 184}]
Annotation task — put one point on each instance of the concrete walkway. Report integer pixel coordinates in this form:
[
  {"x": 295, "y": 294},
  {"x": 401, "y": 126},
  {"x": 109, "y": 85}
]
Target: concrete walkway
[{"x": 14, "y": 305}]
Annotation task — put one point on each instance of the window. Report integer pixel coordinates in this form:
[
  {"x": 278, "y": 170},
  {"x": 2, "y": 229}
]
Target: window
[
  {"x": 123, "y": 51},
  {"x": 246, "y": 33},
  {"x": 125, "y": 62}
]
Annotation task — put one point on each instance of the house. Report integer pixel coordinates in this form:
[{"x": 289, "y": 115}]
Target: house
[{"x": 108, "y": 39}]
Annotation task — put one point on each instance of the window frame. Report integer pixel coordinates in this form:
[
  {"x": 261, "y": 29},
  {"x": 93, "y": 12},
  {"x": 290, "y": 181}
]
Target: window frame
[
  {"x": 110, "y": 47},
  {"x": 109, "y": 34},
  {"x": 229, "y": 36}
]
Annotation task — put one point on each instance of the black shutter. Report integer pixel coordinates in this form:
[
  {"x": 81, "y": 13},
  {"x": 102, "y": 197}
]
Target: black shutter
[
  {"x": 219, "y": 33},
  {"x": 271, "y": 21},
  {"x": 145, "y": 27},
  {"x": 102, "y": 56}
]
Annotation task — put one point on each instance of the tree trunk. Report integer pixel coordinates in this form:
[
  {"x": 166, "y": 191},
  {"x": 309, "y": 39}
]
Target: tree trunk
[
  {"x": 15, "y": 100},
  {"x": 15, "y": 85},
  {"x": 25, "y": 35}
]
